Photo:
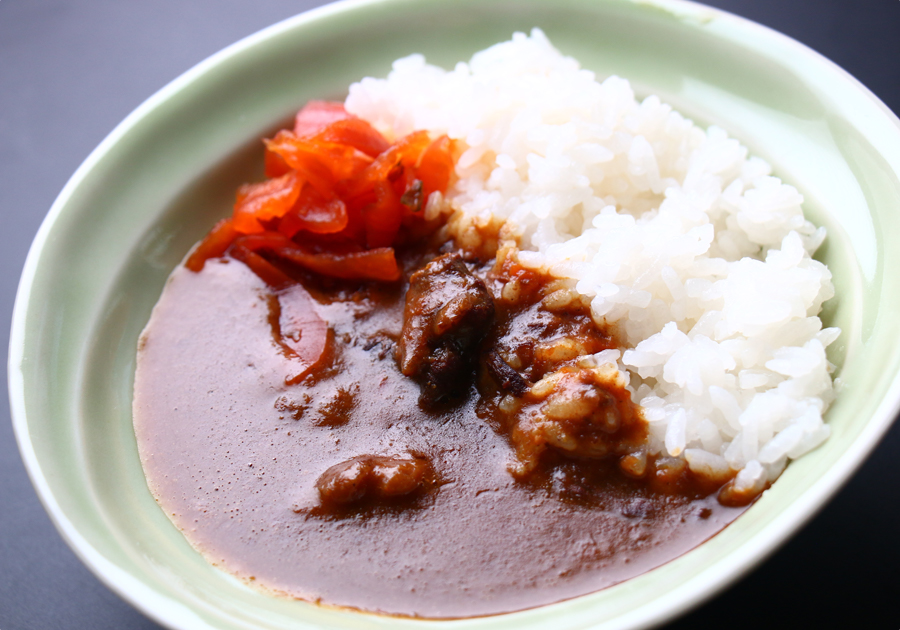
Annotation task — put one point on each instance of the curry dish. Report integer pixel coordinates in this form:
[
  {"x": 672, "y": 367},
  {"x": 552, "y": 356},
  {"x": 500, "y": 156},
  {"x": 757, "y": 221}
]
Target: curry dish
[{"x": 389, "y": 420}]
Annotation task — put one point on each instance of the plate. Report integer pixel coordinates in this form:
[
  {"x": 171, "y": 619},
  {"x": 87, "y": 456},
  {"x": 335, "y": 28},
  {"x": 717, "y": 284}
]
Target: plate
[{"x": 156, "y": 184}]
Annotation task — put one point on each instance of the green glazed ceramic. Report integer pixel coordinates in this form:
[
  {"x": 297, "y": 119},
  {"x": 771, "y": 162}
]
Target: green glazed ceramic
[{"x": 161, "y": 178}]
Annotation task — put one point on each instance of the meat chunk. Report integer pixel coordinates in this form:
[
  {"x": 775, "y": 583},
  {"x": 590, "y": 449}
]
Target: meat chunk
[
  {"x": 371, "y": 477},
  {"x": 577, "y": 412},
  {"x": 448, "y": 310},
  {"x": 507, "y": 378}
]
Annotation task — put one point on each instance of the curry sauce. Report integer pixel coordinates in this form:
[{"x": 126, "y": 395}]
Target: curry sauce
[{"x": 450, "y": 451}]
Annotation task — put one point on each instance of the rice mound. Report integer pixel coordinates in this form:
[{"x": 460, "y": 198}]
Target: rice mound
[{"x": 699, "y": 256}]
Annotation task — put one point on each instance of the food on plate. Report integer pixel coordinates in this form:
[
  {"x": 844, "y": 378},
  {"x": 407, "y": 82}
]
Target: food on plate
[{"x": 482, "y": 340}]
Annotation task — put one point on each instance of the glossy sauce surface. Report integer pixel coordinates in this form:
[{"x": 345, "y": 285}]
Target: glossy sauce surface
[{"x": 233, "y": 451}]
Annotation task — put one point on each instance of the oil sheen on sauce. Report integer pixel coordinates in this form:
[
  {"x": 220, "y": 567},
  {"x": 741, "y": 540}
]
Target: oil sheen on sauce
[{"x": 232, "y": 454}]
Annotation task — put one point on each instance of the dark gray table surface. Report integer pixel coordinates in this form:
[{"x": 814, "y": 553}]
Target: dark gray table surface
[{"x": 62, "y": 91}]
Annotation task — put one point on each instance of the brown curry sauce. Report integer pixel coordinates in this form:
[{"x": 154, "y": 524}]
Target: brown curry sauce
[{"x": 442, "y": 458}]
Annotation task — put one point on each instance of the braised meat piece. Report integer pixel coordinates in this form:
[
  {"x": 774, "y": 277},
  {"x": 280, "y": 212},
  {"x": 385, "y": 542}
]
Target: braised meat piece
[
  {"x": 507, "y": 378},
  {"x": 448, "y": 310},
  {"x": 373, "y": 477},
  {"x": 583, "y": 413}
]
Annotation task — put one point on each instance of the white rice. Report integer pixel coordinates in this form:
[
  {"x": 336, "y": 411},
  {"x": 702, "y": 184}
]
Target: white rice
[{"x": 701, "y": 257}]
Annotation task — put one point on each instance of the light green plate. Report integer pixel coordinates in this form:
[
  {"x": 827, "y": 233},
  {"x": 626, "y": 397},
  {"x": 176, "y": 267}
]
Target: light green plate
[{"x": 156, "y": 184}]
